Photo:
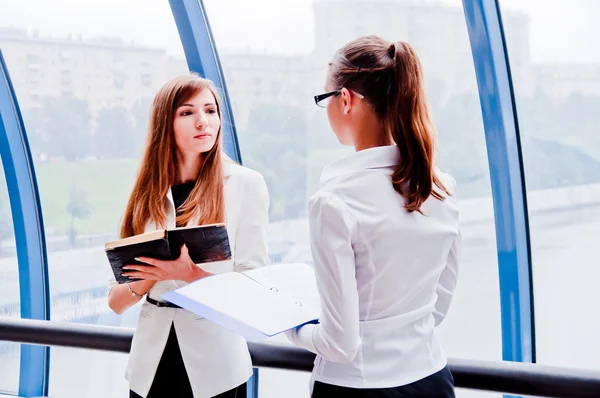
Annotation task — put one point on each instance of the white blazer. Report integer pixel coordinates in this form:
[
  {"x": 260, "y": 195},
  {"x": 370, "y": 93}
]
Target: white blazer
[
  {"x": 386, "y": 277},
  {"x": 216, "y": 360}
]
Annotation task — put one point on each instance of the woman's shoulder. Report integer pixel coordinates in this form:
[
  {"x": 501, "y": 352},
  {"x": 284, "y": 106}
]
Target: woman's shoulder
[
  {"x": 326, "y": 197},
  {"x": 237, "y": 171},
  {"x": 246, "y": 180}
]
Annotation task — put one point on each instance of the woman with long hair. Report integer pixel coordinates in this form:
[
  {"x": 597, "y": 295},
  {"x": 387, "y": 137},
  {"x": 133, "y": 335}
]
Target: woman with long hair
[
  {"x": 185, "y": 179},
  {"x": 384, "y": 233}
]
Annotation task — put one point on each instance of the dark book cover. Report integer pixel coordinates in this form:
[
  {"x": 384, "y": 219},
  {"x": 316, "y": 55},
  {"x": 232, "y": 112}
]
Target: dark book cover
[
  {"x": 125, "y": 255},
  {"x": 205, "y": 244}
]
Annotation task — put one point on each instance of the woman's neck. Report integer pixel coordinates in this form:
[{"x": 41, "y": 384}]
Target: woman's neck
[
  {"x": 370, "y": 133},
  {"x": 188, "y": 167}
]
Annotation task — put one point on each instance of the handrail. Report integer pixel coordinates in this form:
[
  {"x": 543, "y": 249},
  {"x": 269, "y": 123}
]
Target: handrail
[{"x": 501, "y": 376}]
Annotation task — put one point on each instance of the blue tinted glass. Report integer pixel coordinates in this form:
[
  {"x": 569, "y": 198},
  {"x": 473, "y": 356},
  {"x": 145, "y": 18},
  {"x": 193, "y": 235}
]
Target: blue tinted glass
[
  {"x": 9, "y": 285},
  {"x": 556, "y": 71}
]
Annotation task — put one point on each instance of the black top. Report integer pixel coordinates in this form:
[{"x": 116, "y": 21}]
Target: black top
[
  {"x": 181, "y": 192},
  {"x": 171, "y": 379}
]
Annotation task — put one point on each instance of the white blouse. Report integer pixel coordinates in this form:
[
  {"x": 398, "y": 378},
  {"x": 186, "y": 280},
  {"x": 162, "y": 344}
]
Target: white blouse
[{"x": 386, "y": 277}]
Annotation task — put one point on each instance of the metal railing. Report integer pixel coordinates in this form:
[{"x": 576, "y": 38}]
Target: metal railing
[{"x": 505, "y": 377}]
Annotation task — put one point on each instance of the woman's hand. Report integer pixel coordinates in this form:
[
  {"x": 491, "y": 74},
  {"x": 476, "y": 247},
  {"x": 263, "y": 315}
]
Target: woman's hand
[{"x": 182, "y": 269}]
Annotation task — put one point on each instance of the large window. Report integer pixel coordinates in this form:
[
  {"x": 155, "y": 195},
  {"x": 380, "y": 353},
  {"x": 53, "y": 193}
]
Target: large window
[
  {"x": 84, "y": 74},
  {"x": 275, "y": 54},
  {"x": 556, "y": 73},
  {"x": 9, "y": 285}
]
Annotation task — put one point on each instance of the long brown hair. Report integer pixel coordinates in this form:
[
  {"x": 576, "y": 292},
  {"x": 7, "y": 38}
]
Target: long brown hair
[
  {"x": 159, "y": 169},
  {"x": 390, "y": 77}
]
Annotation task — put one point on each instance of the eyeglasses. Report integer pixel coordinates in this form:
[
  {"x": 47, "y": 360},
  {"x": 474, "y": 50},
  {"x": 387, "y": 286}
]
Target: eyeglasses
[{"x": 322, "y": 99}]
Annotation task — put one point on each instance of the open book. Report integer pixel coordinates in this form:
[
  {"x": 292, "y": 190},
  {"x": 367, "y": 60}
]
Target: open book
[
  {"x": 205, "y": 243},
  {"x": 256, "y": 304}
]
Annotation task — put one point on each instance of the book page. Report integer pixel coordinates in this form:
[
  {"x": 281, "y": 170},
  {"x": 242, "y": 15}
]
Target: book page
[
  {"x": 145, "y": 237},
  {"x": 233, "y": 295},
  {"x": 295, "y": 280}
]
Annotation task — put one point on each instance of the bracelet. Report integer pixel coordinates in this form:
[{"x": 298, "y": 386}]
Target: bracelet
[{"x": 134, "y": 294}]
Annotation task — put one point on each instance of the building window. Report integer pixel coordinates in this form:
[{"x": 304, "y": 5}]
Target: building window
[
  {"x": 65, "y": 77},
  {"x": 119, "y": 80},
  {"x": 65, "y": 55},
  {"x": 33, "y": 59},
  {"x": 118, "y": 57}
]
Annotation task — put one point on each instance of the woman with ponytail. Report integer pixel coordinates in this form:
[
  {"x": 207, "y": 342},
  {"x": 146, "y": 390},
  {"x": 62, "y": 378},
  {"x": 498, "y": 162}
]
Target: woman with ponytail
[{"x": 385, "y": 236}]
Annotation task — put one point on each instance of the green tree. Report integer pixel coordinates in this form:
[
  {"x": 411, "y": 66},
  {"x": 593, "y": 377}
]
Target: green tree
[
  {"x": 274, "y": 143},
  {"x": 141, "y": 118},
  {"x": 67, "y": 126},
  {"x": 560, "y": 140},
  {"x": 35, "y": 125},
  {"x": 580, "y": 112},
  {"x": 462, "y": 151},
  {"x": 77, "y": 207}
]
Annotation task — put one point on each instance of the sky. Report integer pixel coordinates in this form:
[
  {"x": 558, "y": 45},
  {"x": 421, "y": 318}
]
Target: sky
[{"x": 561, "y": 30}]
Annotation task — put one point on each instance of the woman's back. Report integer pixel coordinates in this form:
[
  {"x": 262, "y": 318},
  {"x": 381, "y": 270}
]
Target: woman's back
[
  {"x": 384, "y": 232},
  {"x": 397, "y": 259}
]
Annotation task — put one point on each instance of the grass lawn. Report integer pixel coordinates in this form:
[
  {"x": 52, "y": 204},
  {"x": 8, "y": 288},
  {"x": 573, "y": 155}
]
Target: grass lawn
[{"x": 106, "y": 184}]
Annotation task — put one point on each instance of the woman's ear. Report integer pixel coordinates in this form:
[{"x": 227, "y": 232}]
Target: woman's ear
[{"x": 346, "y": 101}]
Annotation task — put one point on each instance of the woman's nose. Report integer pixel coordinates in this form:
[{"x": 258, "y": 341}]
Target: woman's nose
[{"x": 202, "y": 120}]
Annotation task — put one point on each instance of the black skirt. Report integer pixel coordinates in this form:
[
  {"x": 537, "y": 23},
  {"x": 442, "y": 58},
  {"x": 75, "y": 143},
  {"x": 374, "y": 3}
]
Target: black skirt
[
  {"x": 438, "y": 385},
  {"x": 171, "y": 379}
]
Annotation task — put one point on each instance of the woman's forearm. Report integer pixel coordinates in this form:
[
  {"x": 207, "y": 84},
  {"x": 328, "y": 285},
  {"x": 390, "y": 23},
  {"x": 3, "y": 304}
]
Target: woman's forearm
[{"x": 120, "y": 298}]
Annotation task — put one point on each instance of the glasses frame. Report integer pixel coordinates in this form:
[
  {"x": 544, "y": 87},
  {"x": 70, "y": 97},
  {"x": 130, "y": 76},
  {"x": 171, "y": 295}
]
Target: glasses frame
[{"x": 321, "y": 97}]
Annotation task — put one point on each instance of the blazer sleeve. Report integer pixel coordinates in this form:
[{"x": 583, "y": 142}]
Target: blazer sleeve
[{"x": 251, "y": 247}]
